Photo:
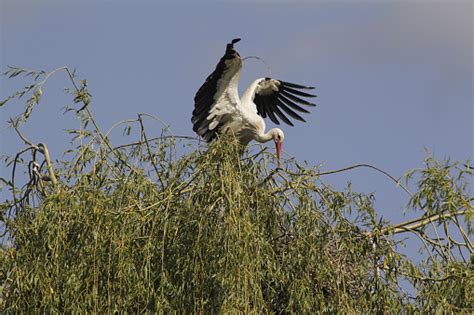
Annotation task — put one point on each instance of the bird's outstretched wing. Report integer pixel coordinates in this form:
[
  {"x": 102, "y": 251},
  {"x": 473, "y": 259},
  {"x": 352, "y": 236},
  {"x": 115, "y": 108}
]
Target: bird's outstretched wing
[
  {"x": 218, "y": 96},
  {"x": 279, "y": 98}
]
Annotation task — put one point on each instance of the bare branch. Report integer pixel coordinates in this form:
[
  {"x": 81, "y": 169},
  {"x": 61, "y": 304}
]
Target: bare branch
[
  {"x": 20, "y": 134},
  {"x": 416, "y": 223},
  {"x": 49, "y": 164}
]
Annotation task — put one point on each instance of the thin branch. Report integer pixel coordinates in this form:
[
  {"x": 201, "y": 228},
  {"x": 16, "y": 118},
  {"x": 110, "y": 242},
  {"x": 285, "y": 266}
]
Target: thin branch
[
  {"x": 20, "y": 134},
  {"x": 425, "y": 278},
  {"x": 15, "y": 161},
  {"x": 161, "y": 121},
  {"x": 263, "y": 61},
  {"x": 96, "y": 127},
  {"x": 49, "y": 164},
  {"x": 463, "y": 234},
  {"x": 154, "y": 139},
  {"x": 40, "y": 147},
  {"x": 72, "y": 78},
  {"x": 415, "y": 224},
  {"x": 396, "y": 181},
  {"x": 152, "y": 157}
]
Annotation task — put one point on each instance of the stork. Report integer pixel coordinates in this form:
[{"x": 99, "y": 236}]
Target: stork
[{"x": 219, "y": 109}]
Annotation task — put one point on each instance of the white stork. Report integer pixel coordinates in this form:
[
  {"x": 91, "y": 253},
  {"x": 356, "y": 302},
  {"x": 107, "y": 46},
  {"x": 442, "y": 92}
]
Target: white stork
[{"x": 219, "y": 109}]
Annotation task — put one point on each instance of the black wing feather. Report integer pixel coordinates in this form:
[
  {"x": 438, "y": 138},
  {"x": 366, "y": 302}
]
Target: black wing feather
[
  {"x": 204, "y": 98},
  {"x": 297, "y": 86},
  {"x": 296, "y": 92},
  {"x": 278, "y": 98},
  {"x": 295, "y": 98},
  {"x": 272, "y": 117},
  {"x": 260, "y": 109},
  {"x": 291, "y": 104},
  {"x": 282, "y": 116},
  {"x": 289, "y": 111}
]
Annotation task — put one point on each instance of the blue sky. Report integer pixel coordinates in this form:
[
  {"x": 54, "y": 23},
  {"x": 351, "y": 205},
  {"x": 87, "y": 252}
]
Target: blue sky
[{"x": 392, "y": 77}]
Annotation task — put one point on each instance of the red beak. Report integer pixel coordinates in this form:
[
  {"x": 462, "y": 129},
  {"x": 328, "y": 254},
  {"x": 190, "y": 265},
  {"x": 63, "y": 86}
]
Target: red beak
[{"x": 278, "y": 149}]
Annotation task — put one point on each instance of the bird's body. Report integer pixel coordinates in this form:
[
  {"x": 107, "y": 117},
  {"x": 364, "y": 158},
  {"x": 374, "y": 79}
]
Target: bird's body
[{"x": 219, "y": 109}]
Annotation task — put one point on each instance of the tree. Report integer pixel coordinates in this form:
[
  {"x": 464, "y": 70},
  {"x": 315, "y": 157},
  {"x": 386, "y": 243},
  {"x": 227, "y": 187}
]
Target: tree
[{"x": 139, "y": 228}]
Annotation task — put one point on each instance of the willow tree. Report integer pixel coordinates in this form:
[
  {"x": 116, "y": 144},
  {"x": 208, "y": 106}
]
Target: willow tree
[{"x": 146, "y": 226}]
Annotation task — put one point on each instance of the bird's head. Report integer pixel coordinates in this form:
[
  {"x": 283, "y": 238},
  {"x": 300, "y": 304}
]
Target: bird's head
[{"x": 278, "y": 137}]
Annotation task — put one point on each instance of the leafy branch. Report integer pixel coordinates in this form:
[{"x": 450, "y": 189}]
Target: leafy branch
[{"x": 148, "y": 226}]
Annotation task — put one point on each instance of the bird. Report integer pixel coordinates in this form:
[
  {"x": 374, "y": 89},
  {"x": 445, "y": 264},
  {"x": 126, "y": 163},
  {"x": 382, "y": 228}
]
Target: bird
[{"x": 218, "y": 108}]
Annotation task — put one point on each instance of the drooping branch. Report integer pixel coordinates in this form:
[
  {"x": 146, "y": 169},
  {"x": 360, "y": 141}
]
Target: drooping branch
[
  {"x": 20, "y": 134},
  {"x": 41, "y": 147},
  {"x": 396, "y": 181}
]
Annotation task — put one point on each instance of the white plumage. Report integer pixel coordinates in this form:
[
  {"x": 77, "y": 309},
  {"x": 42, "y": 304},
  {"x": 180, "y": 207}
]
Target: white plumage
[{"x": 218, "y": 107}]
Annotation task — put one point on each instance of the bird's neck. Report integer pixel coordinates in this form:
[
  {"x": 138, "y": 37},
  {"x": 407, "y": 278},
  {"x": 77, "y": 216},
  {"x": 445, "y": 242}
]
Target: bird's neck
[{"x": 265, "y": 137}]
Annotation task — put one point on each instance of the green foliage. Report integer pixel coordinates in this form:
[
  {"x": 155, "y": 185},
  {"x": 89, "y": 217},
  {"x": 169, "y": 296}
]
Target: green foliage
[{"x": 143, "y": 227}]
